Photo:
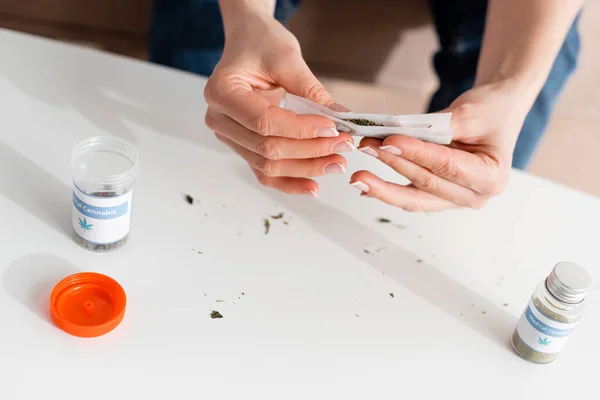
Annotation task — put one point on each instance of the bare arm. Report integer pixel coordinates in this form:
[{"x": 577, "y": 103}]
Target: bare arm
[
  {"x": 232, "y": 10},
  {"x": 521, "y": 41}
]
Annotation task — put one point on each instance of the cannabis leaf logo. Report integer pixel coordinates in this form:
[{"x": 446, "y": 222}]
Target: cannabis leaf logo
[
  {"x": 84, "y": 225},
  {"x": 544, "y": 342}
]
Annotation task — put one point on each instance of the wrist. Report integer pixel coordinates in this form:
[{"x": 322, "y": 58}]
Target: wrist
[
  {"x": 523, "y": 89},
  {"x": 241, "y": 12}
]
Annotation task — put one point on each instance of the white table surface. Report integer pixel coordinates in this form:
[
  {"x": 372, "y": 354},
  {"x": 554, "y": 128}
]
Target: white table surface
[{"x": 316, "y": 320}]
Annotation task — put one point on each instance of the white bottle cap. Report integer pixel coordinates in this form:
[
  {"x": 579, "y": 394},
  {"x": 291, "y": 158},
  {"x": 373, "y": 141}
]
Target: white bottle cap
[{"x": 568, "y": 282}]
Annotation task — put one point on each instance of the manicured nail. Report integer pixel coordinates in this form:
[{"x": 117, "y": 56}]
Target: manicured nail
[
  {"x": 343, "y": 147},
  {"x": 338, "y": 107},
  {"x": 310, "y": 193},
  {"x": 336, "y": 168},
  {"x": 391, "y": 149},
  {"x": 327, "y": 132},
  {"x": 363, "y": 187},
  {"x": 369, "y": 150}
]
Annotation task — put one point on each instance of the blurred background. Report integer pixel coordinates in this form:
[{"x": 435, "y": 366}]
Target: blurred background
[{"x": 375, "y": 61}]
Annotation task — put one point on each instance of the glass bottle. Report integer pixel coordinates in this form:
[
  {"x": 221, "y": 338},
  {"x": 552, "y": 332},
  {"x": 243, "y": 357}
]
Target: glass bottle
[
  {"x": 552, "y": 313},
  {"x": 104, "y": 172}
]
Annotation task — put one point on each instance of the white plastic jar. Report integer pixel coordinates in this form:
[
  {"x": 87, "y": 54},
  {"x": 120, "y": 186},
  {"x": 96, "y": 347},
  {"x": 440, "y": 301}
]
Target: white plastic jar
[{"x": 104, "y": 173}]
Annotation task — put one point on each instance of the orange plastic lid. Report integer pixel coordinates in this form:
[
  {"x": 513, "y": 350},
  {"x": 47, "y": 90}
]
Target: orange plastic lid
[{"x": 87, "y": 304}]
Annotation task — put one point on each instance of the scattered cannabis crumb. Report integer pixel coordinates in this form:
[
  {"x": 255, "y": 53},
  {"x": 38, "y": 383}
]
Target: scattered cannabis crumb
[
  {"x": 356, "y": 315},
  {"x": 384, "y": 220},
  {"x": 243, "y": 294},
  {"x": 505, "y": 305},
  {"x": 461, "y": 314},
  {"x": 362, "y": 122},
  {"x": 399, "y": 226},
  {"x": 472, "y": 304},
  {"x": 200, "y": 252},
  {"x": 391, "y": 295},
  {"x": 189, "y": 199},
  {"x": 267, "y": 226},
  {"x": 286, "y": 223},
  {"x": 483, "y": 312},
  {"x": 419, "y": 261},
  {"x": 215, "y": 314},
  {"x": 377, "y": 250},
  {"x": 220, "y": 301},
  {"x": 205, "y": 294},
  {"x": 278, "y": 216}
]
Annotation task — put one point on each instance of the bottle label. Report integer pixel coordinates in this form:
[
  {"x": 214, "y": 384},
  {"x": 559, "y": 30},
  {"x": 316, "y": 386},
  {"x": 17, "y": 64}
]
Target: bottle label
[
  {"x": 101, "y": 220},
  {"x": 542, "y": 333}
]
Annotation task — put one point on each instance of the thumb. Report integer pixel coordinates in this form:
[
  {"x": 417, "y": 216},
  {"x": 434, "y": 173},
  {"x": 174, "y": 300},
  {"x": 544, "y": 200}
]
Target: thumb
[{"x": 296, "y": 78}]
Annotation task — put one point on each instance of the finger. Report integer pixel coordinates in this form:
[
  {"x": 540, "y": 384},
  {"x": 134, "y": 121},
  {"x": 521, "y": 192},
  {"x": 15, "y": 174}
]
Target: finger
[
  {"x": 302, "y": 186},
  {"x": 236, "y": 98},
  {"x": 407, "y": 198},
  {"x": 294, "y": 75},
  {"x": 370, "y": 146},
  {"x": 333, "y": 164},
  {"x": 277, "y": 148},
  {"x": 424, "y": 179},
  {"x": 476, "y": 171}
]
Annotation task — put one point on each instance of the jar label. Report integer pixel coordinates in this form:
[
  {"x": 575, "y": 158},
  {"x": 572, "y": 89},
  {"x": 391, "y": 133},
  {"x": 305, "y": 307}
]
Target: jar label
[
  {"x": 541, "y": 333},
  {"x": 101, "y": 220}
]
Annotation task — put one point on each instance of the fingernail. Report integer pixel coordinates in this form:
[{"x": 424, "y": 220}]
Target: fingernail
[
  {"x": 342, "y": 147},
  {"x": 391, "y": 149},
  {"x": 363, "y": 187},
  {"x": 311, "y": 193},
  {"x": 327, "y": 132},
  {"x": 369, "y": 150},
  {"x": 338, "y": 107},
  {"x": 336, "y": 168}
]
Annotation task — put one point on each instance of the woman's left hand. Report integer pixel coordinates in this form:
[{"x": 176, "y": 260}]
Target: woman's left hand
[{"x": 486, "y": 122}]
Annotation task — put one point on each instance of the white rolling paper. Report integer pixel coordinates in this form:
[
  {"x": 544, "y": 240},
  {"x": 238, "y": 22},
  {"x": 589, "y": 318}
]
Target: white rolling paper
[{"x": 434, "y": 128}]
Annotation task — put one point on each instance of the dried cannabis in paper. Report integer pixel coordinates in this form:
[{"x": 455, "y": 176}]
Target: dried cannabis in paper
[{"x": 362, "y": 122}]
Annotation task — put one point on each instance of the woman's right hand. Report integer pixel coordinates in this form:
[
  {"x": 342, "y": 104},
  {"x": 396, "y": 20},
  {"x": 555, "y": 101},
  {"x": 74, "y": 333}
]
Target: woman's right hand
[{"x": 283, "y": 149}]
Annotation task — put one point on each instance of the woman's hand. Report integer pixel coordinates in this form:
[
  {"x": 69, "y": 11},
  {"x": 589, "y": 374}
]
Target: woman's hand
[
  {"x": 486, "y": 122},
  {"x": 283, "y": 149}
]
